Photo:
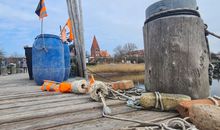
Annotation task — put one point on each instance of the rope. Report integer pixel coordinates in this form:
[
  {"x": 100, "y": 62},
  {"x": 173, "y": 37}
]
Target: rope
[
  {"x": 131, "y": 120},
  {"x": 170, "y": 125},
  {"x": 211, "y": 73},
  {"x": 106, "y": 109},
  {"x": 213, "y": 34},
  {"x": 123, "y": 95},
  {"x": 115, "y": 97},
  {"x": 173, "y": 124},
  {"x": 100, "y": 75},
  {"x": 159, "y": 101},
  {"x": 214, "y": 100},
  {"x": 178, "y": 123},
  {"x": 96, "y": 88},
  {"x": 134, "y": 104},
  {"x": 217, "y": 97}
]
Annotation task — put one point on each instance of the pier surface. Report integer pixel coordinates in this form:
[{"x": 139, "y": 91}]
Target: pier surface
[{"x": 24, "y": 106}]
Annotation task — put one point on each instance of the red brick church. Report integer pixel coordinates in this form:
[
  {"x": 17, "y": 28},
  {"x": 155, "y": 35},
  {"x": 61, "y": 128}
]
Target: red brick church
[{"x": 96, "y": 52}]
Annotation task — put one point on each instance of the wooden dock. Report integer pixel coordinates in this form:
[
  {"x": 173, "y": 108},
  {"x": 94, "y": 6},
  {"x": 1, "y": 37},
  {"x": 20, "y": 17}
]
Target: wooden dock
[{"x": 24, "y": 106}]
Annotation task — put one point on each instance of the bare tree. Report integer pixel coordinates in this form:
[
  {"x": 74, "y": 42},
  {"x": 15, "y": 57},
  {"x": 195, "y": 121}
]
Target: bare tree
[
  {"x": 129, "y": 47},
  {"x": 121, "y": 51}
]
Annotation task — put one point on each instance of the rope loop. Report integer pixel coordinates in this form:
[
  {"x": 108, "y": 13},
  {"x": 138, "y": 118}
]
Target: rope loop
[{"x": 159, "y": 101}]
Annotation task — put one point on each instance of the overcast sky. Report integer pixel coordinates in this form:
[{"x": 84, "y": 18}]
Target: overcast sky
[{"x": 114, "y": 22}]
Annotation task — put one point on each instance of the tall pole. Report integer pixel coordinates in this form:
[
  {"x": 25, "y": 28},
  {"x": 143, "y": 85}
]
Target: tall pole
[
  {"x": 74, "y": 11},
  {"x": 72, "y": 18},
  {"x": 82, "y": 39},
  {"x": 76, "y": 21}
]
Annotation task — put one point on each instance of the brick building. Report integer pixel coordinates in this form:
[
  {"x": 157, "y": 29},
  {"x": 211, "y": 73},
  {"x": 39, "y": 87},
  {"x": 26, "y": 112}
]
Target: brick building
[
  {"x": 96, "y": 52},
  {"x": 136, "y": 53}
]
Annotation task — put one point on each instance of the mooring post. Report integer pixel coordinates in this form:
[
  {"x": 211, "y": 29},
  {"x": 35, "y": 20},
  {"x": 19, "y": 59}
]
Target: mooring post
[{"x": 176, "y": 53}]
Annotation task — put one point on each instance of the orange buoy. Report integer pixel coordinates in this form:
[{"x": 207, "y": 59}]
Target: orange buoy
[
  {"x": 50, "y": 86},
  {"x": 79, "y": 87},
  {"x": 65, "y": 87}
]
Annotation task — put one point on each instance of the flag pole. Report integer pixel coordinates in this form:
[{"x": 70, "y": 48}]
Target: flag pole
[{"x": 42, "y": 25}]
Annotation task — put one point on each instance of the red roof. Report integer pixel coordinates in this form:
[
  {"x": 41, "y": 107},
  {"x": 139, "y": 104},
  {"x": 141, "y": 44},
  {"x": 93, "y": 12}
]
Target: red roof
[
  {"x": 104, "y": 54},
  {"x": 136, "y": 52}
]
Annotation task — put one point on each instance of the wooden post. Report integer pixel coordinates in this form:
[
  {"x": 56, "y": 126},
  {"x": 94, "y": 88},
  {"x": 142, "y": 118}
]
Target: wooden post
[
  {"x": 82, "y": 39},
  {"x": 176, "y": 56},
  {"x": 76, "y": 20}
]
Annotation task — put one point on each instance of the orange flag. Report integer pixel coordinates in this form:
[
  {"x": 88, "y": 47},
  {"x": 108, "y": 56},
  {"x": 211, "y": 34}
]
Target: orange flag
[
  {"x": 63, "y": 35},
  {"x": 41, "y": 10},
  {"x": 69, "y": 25}
]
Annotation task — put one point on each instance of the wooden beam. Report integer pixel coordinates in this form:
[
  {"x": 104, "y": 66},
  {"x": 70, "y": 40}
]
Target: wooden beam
[
  {"x": 75, "y": 13},
  {"x": 82, "y": 39},
  {"x": 72, "y": 16},
  {"x": 28, "y": 115}
]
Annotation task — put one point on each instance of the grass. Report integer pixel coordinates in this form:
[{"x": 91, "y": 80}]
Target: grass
[
  {"x": 116, "y": 72},
  {"x": 136, "y": 78},
  {"x": 117, "y": 68}
]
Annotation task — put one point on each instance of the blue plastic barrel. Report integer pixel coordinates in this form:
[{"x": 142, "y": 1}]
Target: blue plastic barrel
[
  {"x": 48, "y": 59},
  {"x": 66, "y": 60}
]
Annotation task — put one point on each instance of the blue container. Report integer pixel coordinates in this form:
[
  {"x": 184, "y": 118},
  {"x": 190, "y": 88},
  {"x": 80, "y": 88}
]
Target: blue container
[
  {"x": 66, "y": 60},
  {"x": 48, "y": 59}
]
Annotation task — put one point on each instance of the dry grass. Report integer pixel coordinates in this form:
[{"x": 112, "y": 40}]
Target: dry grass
[
  {"x": 117, "y": 68},
  {"x": 135, "y": 78}
]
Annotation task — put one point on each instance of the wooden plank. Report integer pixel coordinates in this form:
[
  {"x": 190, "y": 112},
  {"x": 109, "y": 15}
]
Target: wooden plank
[
  {"x": 28, "y": 115},
  {"x": 21, "y": 93},
  {"x": 40, "y": 102},
  {"x": 107, "y": 124},
  {"x": 44, "y": 98},
  {"x": 15, "y": 88},
  {"x": 64, "y": 119},
  {"x": 27, "y": 96},
  {"x": 64, "y": 103}
]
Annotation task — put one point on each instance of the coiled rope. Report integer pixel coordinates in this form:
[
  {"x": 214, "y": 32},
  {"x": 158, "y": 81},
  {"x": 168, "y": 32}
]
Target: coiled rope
[{"x": 173, "y": 124}]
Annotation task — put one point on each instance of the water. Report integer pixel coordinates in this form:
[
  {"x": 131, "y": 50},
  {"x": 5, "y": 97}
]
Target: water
[{"x": 215, "y": 88}]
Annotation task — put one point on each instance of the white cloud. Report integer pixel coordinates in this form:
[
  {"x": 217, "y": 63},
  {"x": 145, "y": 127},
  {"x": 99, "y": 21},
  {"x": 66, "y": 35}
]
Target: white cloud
[{"x": 114, "y": 22}]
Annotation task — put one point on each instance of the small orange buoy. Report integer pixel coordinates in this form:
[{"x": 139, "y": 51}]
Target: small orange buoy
[
  {"x": 50, "y": 86},
  {"x": 65, "y": 87},
  {"x": 79, "y": 87}
]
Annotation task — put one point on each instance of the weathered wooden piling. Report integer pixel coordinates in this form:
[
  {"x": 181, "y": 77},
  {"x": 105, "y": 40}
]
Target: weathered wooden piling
[{"x": 176, "y": 53}]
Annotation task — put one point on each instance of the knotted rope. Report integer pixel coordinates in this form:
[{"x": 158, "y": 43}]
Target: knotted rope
[
  {"x": 100, "y": 90},
  {"x": 159, "y": 101}
]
